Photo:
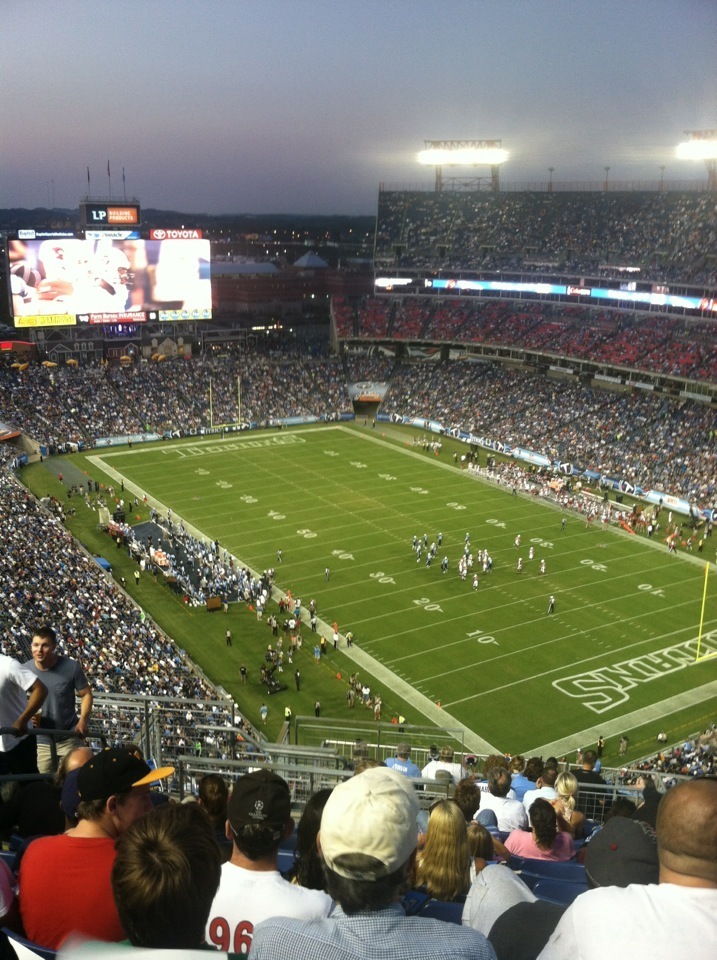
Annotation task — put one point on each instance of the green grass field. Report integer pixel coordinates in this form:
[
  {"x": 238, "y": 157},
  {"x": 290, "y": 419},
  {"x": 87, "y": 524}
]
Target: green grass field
[{"x": 617, "y": 655}]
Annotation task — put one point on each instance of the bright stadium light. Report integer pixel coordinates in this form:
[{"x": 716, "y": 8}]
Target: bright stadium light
[
  {"x": 465, "y": 156},
  {"x": 697, "y": 150},
  {"x": 464, "y": 153},
  {"x": 702, "y": 145}
]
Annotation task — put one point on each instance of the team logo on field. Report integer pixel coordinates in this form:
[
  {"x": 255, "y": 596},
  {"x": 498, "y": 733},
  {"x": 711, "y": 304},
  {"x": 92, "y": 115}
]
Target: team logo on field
[{"x": 607, "y": 687}]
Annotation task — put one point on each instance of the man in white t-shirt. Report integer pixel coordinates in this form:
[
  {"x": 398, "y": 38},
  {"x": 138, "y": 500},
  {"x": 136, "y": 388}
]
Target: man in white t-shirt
[
  {"x": 545, "y": 788},
  {"x": 676, "y": 917},
  {"x": 445, "y": 761},
  {"x": 21, "y": 696},
  {"x": 251, "y": 888},
  {"x": 510, "y": 814}
]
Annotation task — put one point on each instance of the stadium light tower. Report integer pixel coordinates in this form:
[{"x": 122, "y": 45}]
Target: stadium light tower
[
  {"x": 702, "y": 145},
  {"x": 465, "y": 153}
]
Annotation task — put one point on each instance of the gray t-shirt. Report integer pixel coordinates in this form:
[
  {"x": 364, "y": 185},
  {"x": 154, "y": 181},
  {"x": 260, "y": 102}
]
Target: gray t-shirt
[{"x": 63, "y": 681}]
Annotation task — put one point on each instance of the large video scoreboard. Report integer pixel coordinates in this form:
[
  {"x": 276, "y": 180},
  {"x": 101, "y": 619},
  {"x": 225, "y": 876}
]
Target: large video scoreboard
[{"x": 108, "y": 276}]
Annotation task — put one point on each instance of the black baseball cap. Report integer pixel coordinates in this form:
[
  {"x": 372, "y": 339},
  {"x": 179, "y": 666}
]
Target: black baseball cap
[{"x": 116, "y": 770}]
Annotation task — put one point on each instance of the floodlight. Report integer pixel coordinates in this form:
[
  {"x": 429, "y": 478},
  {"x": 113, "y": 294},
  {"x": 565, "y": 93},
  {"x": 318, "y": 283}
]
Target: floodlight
[
  {"x": 697, "y": 150},
  {"x": 463, "y": 156}
]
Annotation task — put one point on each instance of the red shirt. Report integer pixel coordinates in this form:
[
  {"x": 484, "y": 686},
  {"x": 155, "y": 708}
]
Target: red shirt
[{"x": 65, "y": 888}]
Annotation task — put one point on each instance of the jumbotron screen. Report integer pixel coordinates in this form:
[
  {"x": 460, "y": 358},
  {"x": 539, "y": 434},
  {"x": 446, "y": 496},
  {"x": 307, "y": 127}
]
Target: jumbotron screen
[{"x": 96, "y": 279}]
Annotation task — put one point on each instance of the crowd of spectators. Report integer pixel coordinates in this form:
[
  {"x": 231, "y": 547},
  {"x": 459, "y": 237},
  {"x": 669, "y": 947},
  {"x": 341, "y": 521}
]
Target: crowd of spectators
[
  {"x": 648, "y": 441},
  {"x": 696, "y": 757},
  {"x": 656, "y": 344},
  {"x": 643, "y": 438},
  {"x": 372, "y": 367},
  {"x": 46, "y": 577},
  {"x": 373, "y": 875},
  {"x": 64, "y": 406},
  {"x": 667, "y": 235}
]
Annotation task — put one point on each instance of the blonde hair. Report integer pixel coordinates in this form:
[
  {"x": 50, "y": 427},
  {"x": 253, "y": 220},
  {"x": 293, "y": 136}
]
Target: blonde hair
[
  {"x": 566, "y": 787},
  {"x": 444, "y": 863}
]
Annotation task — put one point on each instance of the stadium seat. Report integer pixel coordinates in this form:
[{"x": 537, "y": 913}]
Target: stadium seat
[
  {"x": 417, "y": 903},
  {"x": 286, "y": 860},
  {"x": 553, "y": 870}
]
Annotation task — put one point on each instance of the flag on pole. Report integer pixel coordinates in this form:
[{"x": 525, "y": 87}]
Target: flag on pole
[
  {"x": 88, "y": 176},
  {"x": 108, "y": 169}
]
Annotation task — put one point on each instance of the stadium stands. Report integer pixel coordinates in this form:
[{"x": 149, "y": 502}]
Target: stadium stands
[
  {"x": 64, "y": 406},
  {"x": 646, "y": 440},
  {"x": 672, "y": 346},
  {"x": 667, "y": 235}
]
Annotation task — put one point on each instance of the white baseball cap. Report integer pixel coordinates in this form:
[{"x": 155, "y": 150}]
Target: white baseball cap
[{"x": 373, "y": 814}]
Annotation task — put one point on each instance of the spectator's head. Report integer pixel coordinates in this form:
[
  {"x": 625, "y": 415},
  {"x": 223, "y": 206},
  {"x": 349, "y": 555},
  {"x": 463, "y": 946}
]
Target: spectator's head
[
  {"x": 517, "y": 764},
  {"x": 368, "y": 839},
  {"x": 367, "y": 763},
  {"x": 214, "y": 796},
  {"x": 620, "y": 807},
  {"x": 499, "y": 782},
  {"x": 403, "y": 751},
  {"x": 467, "y": 796},
  {"x": 566, "y": 787},
  {"x": 443, "y": 864},
  {"x": 534, "y": 768},
  {"x": 648, "y": 809},
  {"x": 549, "y": 776},
  {"x": 259, "y": 814},
  {"x": 165, "y": 877},
  {"x": 361, "y": 750},
  {"x": 491, "y": 761},
  {"x": 444, "y": 777},
  {"x": 307, "y": 861},
  {"x": 43, "y": 647},
  {"x": 446, "y": 754},
  {"x": 72, "y": 761},
  {"x": 480, "y": 842},
  {"x": 114, "y": 787},
  {"x": 543, "y": 822},
  {"x": 687, "y": 834},
  {"x": 589, "y": 759},
  {"x": 623, "y": 852}
]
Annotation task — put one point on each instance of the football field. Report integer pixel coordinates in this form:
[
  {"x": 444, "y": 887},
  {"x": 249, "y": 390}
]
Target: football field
[{"x": 343, "y": 504}]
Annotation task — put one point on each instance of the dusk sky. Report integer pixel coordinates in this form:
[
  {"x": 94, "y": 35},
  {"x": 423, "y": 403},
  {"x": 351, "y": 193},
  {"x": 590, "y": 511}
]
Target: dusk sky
[{"x": 306, "y": 106}]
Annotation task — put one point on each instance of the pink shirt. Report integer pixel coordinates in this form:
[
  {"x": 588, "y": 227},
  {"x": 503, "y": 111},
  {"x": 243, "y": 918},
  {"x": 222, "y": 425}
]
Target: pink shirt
[{"x": 521, "y": 843}]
